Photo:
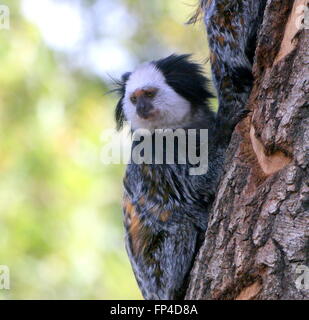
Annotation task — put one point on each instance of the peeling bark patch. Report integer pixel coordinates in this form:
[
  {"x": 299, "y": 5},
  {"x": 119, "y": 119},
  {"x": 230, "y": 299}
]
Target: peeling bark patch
[
  {"x": 292, "y": 28},
  {"x": 250, "y": 292},
  {"x": 277, "y": 13},
  {"x": 270, "y": 164}
]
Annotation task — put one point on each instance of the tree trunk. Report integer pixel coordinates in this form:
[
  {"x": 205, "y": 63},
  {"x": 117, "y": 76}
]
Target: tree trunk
[{"x": 258, "y": 233}]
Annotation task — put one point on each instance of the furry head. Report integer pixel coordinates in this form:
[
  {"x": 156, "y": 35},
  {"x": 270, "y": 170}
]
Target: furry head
[{"x": 167, "y": 93}]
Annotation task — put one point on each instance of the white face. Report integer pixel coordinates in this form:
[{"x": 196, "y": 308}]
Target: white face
[{"x": 168, "y": 108}]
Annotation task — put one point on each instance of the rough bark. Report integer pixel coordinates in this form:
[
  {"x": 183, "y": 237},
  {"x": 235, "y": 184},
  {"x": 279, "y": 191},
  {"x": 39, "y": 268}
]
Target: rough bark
[{"x": 258, "y": 230}]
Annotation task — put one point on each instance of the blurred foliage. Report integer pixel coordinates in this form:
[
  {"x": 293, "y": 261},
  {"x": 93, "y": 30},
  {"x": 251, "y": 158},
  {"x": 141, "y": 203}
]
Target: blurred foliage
[{"x": 61, "y": 228}]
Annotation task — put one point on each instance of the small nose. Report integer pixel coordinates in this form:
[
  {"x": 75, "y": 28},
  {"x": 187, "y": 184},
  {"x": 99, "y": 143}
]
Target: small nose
[{"x": 144, "y": 107}]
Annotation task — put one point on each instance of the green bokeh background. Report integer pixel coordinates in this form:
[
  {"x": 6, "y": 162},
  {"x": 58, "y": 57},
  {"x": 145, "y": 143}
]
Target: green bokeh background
[{"x": 61, "y": 228}]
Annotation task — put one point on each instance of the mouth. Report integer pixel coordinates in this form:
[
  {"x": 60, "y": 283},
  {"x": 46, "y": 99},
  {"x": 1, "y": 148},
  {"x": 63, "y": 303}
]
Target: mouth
[{"x": 148, "y": 115}]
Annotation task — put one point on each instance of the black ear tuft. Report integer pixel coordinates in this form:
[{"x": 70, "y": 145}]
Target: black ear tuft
[
  {"x": 125, "y": 77},
  {"x": 119, "y": 115},
  {"x": 121, "y": 88},
  {"x": 186, "y": 78}
]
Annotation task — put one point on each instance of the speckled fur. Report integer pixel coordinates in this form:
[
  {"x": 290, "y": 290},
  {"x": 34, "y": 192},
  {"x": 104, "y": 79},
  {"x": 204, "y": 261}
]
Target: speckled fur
[{"x": 232, "y": 27}]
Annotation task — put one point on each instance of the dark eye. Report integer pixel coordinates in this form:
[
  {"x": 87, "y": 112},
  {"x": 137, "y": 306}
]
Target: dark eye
[
  {"x": 133, "y": 99},
  {"x": 150, "y": 94}
]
